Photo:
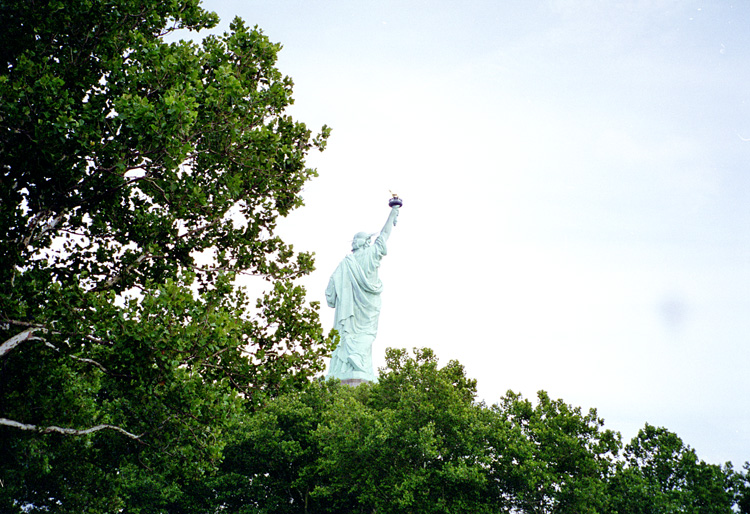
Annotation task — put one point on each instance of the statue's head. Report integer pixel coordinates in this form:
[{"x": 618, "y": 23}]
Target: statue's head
[{"x": 361, "y": 239}]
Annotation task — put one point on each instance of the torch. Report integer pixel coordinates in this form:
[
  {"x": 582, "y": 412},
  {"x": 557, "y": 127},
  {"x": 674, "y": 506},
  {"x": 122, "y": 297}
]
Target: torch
[{"x": 395, "y": 201}]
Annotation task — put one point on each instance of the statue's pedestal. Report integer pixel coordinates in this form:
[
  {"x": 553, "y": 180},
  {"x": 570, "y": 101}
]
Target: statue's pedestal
[{"x": 354, "y": 382}]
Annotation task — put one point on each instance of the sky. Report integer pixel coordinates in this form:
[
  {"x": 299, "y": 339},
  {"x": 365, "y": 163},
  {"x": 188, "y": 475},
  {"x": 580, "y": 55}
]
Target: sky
[{"x": 576, "y": 186}]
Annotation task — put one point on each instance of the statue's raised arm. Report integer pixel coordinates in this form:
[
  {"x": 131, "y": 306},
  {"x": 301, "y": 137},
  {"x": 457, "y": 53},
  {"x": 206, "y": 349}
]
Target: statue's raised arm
[{"x": 390, "y": 223}]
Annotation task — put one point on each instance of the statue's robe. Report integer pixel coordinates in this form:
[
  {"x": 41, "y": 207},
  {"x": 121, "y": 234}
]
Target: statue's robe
[{"x": 354, "y": 290}]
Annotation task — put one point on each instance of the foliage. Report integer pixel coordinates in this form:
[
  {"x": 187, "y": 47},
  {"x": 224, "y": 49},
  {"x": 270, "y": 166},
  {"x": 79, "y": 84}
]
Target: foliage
[
  {"x": 412, "y": 442},
  {"x": 417, "y": 441},
  {"x": 563, "y": 458},
  {"x": 272, "y": 465},
  {"x": 660, "y": 474},
  {"x": 741, "y": 489},
  {"x": 140, "y": 179}
]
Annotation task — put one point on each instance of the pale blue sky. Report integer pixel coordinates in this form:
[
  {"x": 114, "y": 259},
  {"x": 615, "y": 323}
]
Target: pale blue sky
[{"x": 576, "y": 192}]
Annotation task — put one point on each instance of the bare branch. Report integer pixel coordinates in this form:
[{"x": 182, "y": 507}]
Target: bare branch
[
  {"x": 46, "y": 227},
  {"x": 26, "y": 335},
  {"x": 90, "y": 361},
  {"x": 36, "y": 326},
  {"x": 21, "y": 323},
  {"x": 80, "y": 359},
  {"x": 115, "y": 279},
  {"x": 66, "y": 431},
  {"x": 200, "y": 229}
]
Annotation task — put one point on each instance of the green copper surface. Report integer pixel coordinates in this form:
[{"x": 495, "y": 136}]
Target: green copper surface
[{"x": 354, "y": 291}]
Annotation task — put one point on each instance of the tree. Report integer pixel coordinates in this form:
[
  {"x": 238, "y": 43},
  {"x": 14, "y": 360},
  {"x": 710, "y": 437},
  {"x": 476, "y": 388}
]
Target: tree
[
  {"x": 561, "y": 458},
  {"x": 660, "y": 474},
  {"x": 741, "y": 489},
  {"x": 272, "y": 463},
  {"x": 418, "y": 441},
  {"x": 411, "y": 443},
  {"x": 140, "y": 179}
]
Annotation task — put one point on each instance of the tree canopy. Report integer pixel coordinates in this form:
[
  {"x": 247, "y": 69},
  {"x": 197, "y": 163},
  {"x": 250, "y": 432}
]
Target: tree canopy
[
  {"x": 418, "y": 441},
  {"x": 140, "y": 179}
]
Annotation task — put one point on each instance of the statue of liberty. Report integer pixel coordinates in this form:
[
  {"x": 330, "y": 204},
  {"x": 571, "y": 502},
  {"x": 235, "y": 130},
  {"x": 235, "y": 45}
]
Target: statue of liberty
[{"x": 354, "y": 291}]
